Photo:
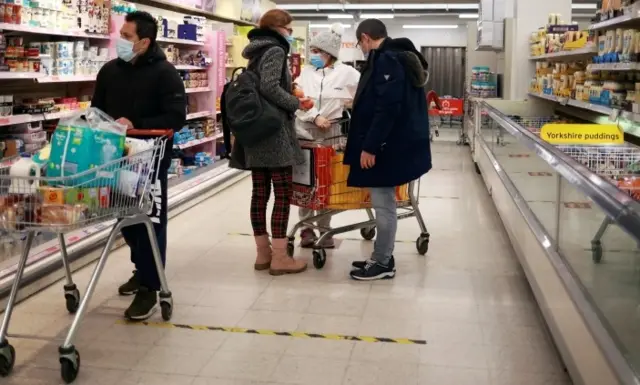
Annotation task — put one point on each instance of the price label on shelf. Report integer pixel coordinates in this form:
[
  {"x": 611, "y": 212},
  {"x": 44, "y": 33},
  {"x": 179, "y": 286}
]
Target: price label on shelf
[
  {"x": 563, "y": 101},
  {"x": 585, "y": 134}
]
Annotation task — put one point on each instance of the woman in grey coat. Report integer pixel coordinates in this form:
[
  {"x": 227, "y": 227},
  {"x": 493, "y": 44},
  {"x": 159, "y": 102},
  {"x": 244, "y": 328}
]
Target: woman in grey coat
[{"x": 271, "y": 161}]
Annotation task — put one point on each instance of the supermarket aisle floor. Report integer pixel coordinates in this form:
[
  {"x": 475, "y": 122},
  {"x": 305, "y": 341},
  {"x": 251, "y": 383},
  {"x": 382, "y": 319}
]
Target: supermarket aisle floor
[{"x": 467, "y": 298}]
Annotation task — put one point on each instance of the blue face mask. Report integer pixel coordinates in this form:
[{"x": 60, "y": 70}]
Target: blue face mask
[
  {"x": 124, "y": 49},
  {"x": 316, "y": 60},
  {"x": 289, "y": 38}
]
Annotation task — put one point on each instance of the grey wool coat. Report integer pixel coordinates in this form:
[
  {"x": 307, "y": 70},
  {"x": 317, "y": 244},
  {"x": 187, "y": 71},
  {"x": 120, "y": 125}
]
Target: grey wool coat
[{"x": 270, "y": 49}]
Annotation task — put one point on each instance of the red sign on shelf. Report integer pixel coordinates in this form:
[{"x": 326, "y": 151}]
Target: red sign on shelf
[{"x": 450, "y": 107}]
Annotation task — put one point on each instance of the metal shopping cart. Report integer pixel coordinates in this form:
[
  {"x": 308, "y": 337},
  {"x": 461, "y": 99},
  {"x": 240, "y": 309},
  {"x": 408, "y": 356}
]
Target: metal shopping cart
[
  {"x": 321, "y": 184},
  {"x": 101, "y": 194}
]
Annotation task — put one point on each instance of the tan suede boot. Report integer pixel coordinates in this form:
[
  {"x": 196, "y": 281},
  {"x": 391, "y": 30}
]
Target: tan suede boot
[
  {"x": 283, "y": 264},
  {"x": 263, "y": 248}
]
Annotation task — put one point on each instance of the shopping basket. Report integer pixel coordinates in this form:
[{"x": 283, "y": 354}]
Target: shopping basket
[
  {"x": 321, "y": 184},
  {"x": 119, "y": 191}
]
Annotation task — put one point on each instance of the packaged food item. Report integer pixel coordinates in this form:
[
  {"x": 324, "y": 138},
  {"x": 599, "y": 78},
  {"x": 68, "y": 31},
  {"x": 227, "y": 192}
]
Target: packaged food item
[
  {"x": 92, "y": 197},
  {"x": 62, "y": 214},
  {"x": 85, "y": 141},
  {"x": 52, "y": 195}
]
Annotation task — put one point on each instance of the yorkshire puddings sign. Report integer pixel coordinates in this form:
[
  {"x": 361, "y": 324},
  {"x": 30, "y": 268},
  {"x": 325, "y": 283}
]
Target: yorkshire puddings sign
[{"x": 585, "y": 134}]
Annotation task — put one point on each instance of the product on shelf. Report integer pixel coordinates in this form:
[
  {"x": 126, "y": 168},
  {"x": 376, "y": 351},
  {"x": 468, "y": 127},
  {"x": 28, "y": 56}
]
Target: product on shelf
[
  {"x": 90, "y": 16},
  {"x": 557, "y": 36},
  {"x": 194, "y": 79},
  {"x": 483, "y": 83}
]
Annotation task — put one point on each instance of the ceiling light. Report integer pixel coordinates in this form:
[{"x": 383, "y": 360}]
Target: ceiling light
[
  {"x": 376, "y": 16},
  {"x": 584, "y": 6},
  {"x": 468, "y": 16},
  {"x": 429, "y": 26},
  {"x": 386, "y": 7},
  {"x": 345, "y": 26},
  {"x": 340, "y": 16}
]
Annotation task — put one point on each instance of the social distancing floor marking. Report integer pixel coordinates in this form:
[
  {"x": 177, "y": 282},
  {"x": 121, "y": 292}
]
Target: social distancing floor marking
[
  {"x": 337, "y": 239},
  {"x": 265, "y": 332}
]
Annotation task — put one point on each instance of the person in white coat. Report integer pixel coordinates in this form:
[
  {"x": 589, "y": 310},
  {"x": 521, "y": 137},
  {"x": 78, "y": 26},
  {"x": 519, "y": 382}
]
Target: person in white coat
[{"x": 331, "y": 85}]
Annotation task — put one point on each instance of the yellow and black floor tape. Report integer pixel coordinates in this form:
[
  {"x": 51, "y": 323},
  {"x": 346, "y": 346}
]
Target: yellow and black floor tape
[
  {"x": 342, "y": 239},
  {"x": 264, "y": 332}
]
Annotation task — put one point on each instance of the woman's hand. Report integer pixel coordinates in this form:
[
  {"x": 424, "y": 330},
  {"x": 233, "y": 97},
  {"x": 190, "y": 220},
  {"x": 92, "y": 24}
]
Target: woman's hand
[
  {"x": 305, "y": 104},
  {"x": 322, "y": 122}
]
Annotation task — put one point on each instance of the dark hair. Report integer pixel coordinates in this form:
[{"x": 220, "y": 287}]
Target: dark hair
[
  {"x": 275, "y": 18},
  {"x": 374, "y": 28},
  {"x": 146, "y": 25}
]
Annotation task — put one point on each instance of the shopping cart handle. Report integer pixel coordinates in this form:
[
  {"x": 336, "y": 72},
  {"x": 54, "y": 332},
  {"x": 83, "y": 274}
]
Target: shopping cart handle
[{"x": 154, "y": 133}]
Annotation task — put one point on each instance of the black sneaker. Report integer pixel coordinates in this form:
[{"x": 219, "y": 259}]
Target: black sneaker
[
  {"x": 143, "y": 306},
  {"x": 372, "y": 271},
  {"x": 362, "y": 264},
  {"x": 131, "y": 286}
]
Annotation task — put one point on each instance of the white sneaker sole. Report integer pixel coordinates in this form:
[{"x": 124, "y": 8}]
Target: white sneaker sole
[
  {"x": 145, "y": 316},
  {"x": 385, "y": 275}
]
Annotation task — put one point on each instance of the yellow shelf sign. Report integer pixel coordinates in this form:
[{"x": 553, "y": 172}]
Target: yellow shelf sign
[{"x": 582, "y": 134}]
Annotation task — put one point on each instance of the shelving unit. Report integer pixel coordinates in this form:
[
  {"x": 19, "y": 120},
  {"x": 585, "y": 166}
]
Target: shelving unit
[{"x": 573, "y": 54}]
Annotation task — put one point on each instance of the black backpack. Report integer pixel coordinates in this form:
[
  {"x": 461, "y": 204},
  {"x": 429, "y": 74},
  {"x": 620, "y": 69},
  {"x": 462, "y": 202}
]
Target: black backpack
[{"x": 246, "y": 113}]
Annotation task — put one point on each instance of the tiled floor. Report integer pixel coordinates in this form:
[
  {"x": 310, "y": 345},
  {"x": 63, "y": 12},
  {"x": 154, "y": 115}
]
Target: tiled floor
[{"x": 467, "y": 298}]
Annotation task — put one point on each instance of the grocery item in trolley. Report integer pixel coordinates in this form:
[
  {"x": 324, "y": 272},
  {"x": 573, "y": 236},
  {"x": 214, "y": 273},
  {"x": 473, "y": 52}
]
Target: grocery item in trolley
[
  {"x": 83, "y": 141},
  {"x": 321, "y": 182}
]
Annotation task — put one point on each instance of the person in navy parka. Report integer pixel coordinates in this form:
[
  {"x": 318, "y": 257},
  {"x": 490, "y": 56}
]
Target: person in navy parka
[{"x": 388, "y": 142}]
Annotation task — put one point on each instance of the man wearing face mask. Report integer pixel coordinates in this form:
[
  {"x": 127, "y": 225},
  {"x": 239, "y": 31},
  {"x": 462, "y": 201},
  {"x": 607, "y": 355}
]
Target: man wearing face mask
[
  {"x": 388, "y": 143},
  {"x": 331, "y": 85},
  {"x": 142, "y": 90}
]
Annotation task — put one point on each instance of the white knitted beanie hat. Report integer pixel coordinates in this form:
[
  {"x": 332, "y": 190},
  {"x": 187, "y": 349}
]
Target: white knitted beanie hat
[{"x": 329, "y": 41}]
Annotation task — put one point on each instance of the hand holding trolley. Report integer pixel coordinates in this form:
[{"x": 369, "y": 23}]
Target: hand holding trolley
[{"x": 109, "y": 203}]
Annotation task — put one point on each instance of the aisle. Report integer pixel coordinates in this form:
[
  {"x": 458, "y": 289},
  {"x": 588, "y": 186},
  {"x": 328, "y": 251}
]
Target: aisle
[{"x": 467, "y": 298}]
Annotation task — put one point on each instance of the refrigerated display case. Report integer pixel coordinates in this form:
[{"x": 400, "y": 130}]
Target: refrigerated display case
[{"x": 554, "y": 202}]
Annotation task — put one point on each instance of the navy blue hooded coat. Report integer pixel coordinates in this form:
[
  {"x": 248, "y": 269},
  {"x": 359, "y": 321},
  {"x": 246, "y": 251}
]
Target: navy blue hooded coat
[{"x": 390, "y": 118}]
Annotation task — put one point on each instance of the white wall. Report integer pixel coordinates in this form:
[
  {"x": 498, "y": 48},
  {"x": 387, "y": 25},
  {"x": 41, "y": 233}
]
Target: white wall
[{"x": 431, "y": 37}]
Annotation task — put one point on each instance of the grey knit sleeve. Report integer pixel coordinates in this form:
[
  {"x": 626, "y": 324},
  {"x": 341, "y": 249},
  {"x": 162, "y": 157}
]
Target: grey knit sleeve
[{"x": 270, "y": 69}]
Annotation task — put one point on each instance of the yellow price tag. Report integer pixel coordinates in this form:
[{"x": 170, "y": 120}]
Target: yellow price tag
[{"x": 582, "y": 134}]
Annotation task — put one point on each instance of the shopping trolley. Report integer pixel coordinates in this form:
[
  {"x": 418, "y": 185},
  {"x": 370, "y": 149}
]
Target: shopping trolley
[
  {"x": 321, "y": 184},
  {"x": 100, "y": 197},
  {"x": 434, "y": 107}
]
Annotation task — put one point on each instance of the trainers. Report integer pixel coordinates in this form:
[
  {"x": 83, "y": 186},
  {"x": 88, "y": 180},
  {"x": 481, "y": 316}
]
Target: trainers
[
  {"x": 372, "y": 271},
  {"x": 362, "y": 264},
  {"x": 131, "y": 286},
  {"x": 143, "y": 306},
  {"x": 308, "y": 238}
]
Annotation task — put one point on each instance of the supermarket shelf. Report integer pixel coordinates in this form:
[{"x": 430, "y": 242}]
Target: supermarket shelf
[
  {"x": 16, "y": 119},
  {"x": 176, "y": 7},
  {"x": 196, "y": 115},
  {"x": 615, "y": 67},
  {"x": 198, "y": 142},
  {"x": 179, "y": 41},
  {"x": 26, "y": 118},
  {"x": 578, "y": 104},
  {"x": 50, "y": 32},
  {"x": 197, "y": 90},
  {"x": 567, "y": 54},
  {"x": 20, "y": 75},
  {"x": 631, "y": 17},
  {"x": 188, "y": 67},
  {"x": 67, "y": 79}
]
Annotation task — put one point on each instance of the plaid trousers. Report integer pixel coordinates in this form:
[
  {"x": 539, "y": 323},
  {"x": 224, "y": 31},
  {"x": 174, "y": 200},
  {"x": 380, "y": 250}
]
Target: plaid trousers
[{"x": 262, "y": 178}]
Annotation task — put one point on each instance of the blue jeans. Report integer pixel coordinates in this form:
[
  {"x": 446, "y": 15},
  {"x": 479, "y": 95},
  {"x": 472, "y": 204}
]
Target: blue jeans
[{"x": 383, "y": 200}]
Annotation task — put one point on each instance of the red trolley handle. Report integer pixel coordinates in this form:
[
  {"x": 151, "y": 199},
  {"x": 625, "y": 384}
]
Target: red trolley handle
[
  {"x": 150, "y": 133},
  {"x": 433, "y": 97}
]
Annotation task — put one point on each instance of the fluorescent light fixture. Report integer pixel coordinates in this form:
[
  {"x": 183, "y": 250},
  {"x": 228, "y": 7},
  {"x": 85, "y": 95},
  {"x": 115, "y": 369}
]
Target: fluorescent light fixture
[
  {"x": 429, "y": 26},
  {"x": 468, "y": 16},
  {"x": 584, "y": 6},
  {"x": 340, "y": 16},
  {"x": 386, "y": 7},
  {"x": 345, "y": 26},
  {"x": 376, "y": 16}
]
